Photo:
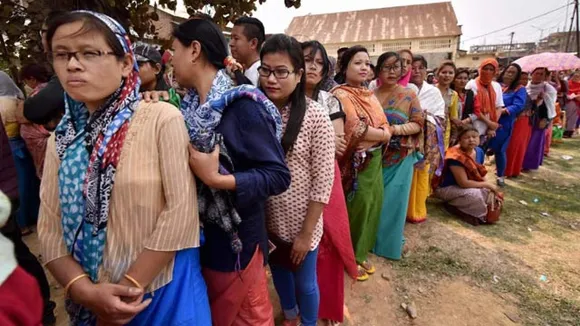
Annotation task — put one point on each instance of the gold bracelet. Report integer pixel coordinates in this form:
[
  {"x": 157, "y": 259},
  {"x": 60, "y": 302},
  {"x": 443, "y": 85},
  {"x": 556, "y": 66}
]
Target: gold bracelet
[
  {"x": 134, "y": 281},
  {"x": 71, "y": 282}
]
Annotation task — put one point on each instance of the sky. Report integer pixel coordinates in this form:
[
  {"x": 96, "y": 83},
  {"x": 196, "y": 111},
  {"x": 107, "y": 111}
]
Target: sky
[{"x": 477, "y": 17}]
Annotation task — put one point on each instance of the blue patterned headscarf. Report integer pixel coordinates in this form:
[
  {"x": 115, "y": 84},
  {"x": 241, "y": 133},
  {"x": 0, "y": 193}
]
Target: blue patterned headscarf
[{"x": 89, "y": 147}]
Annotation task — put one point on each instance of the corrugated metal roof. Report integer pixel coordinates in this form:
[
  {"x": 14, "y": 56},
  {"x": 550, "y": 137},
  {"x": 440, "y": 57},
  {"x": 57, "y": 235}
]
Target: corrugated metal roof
[{"x": 394, "y": 23}]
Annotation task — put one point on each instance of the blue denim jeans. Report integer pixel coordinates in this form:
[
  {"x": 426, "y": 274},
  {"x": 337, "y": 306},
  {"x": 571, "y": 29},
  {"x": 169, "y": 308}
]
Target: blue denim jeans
[{"x": 299, "y": 289}]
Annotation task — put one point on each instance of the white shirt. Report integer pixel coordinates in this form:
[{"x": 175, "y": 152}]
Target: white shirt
[
  {"x": 478, "y": 124},
  {"x": 252, "y": 73},
  {"x": 7, "y": 259},
  {"x": 432, "y": 102}
]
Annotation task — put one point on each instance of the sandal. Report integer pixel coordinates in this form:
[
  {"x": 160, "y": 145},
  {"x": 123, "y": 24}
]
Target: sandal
[
  {"x": 362, "y": 274},
  {"x": 368, "y": 267}
]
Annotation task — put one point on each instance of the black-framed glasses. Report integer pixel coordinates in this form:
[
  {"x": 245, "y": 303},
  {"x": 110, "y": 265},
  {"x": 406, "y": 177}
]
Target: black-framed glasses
[
  {"x": 279, "y": 73},
  {"x": 393, "y": 68},
  {"x": 84, "y": 57}
]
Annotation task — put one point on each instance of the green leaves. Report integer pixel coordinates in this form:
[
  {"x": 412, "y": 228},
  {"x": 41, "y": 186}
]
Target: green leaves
[{"x": 20, "y": 26}]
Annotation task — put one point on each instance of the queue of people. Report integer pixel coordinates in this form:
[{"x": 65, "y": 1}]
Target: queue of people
[{"x": 165, "y": 197}]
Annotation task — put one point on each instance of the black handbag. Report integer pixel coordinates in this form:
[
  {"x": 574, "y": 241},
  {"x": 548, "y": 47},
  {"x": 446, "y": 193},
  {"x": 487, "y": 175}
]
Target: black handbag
[{"x": 280, "y": 256}]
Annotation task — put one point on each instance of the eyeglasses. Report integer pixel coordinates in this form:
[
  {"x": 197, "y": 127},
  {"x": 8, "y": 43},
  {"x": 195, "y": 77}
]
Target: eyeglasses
[
  {"x": 279, "y": 73},
  {"x": 392, "y": 68},
  {"x": 84, "y": 57}
]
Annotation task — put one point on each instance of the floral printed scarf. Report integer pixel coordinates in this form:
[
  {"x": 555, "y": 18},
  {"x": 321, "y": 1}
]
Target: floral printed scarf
[{"x": 216, "y": 206}]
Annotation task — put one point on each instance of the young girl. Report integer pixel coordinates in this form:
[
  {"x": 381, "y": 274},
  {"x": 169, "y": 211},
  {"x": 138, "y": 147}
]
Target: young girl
[
  {"x": 294, "y": 218},
  {"x": 445, "y": 77},
  {"x": 366, "y": 131},
  {"x": 335, "y": 253}
]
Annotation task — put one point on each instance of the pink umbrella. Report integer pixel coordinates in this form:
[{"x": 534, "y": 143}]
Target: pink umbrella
[{"x": 552, "y": 61}]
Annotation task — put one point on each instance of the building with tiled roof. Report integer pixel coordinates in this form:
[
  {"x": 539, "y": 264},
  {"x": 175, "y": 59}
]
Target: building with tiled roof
[{"x": 428, "y": 29}]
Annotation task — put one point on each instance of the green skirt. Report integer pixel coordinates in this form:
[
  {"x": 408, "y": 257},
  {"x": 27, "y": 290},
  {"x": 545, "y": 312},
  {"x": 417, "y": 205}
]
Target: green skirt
[{"x": 364, "y": 208}]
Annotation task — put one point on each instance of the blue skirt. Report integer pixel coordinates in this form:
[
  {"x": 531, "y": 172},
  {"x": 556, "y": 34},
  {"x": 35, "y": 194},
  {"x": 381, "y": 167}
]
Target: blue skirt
[
  {"x": 183, "y": 301},
  {"x": 397, "y": 181},
  {"x": 28, "y": 184}
]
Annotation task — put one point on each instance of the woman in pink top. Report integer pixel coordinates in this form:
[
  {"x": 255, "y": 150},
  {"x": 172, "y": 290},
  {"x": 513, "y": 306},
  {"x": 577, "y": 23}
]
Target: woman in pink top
[
  {"x": 35, "y": 136},
  {"x": 294, "y": 217}
]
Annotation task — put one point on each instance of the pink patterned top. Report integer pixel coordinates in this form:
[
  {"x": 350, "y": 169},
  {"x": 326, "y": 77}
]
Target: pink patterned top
[{"x": 311, "y": 164}]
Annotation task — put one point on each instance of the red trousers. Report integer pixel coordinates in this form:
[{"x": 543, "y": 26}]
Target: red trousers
[{"x": 20, "y": 300}]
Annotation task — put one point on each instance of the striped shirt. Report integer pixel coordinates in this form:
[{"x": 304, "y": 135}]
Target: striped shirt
[{"x": 153, "y": 203}]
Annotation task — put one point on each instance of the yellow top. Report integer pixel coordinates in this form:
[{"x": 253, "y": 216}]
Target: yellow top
[{"x": 9, "y": 113}]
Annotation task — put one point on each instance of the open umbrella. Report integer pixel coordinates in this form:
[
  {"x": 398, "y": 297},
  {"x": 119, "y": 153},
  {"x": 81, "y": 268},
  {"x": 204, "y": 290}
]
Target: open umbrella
[{"x": 552, "y": 61}]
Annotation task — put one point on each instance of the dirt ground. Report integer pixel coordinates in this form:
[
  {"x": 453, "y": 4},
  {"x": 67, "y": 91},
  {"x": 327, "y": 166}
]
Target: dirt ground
[{"x": 525, "y": 270}]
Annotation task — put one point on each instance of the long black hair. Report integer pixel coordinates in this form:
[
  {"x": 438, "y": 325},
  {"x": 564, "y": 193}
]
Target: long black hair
[
  {"x": 281, "y": 43},
  {"x": 345, "y": 60},
  {"x": 516, "y": 81},
  {"x": 383, "y": 58},
  {"x": 314, "y": 47},
  {"x": 459, "y": 72},
  {"x": 213, "y": 43}
]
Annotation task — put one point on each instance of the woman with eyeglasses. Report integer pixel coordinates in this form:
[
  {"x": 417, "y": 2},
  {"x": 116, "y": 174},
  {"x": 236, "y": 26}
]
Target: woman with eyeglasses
[
  {"x": 366, "y": 131},
  {"x": 405, "y": 116},
  {"x": 407, "y": 70},
  {"x": 238, "y": 160},
  {"x": 118, "y": 225},
  {"x": 335, "y": 254},
  {"x": 295, "y": 217}
]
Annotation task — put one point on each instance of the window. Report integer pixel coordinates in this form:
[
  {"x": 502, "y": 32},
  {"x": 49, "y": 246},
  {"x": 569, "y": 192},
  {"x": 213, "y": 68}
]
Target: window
[
  {"x": 435, "y": 44},
  {"x": 395, "y": 46}
]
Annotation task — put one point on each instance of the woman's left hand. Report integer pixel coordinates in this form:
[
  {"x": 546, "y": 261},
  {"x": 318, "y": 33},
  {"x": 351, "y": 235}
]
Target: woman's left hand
[
  {"x": 300, "y": 248},
  {"x": 205, "y": 166},
  {"x": 155, "y": 96},
  {"x": 365, "y": 145},
  {"x": 456, "y": 122}
]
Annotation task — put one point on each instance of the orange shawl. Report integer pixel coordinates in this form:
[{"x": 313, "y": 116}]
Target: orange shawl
[
  {"x": 362, "y": 109},
  {"x": 485, "y": 92},
  {"x": 475, "y": 171}
]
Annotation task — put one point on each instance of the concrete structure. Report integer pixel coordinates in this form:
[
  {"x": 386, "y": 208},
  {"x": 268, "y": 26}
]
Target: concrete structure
[
  {"x": 501, "y": 52},
  {"x": 164, "y": 26},
  {"x": 471, "y": 60},
  {"x": 429, "y": 29},
  {"x": 556, "y": 42}
]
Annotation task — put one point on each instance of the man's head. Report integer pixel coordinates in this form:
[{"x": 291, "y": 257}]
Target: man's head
[
  {"x": 339, "y": 53},
  {"x": 150, "y": 65},
  {"x": 419, "y": 71},
  {"x": 247, "y": 38}
]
